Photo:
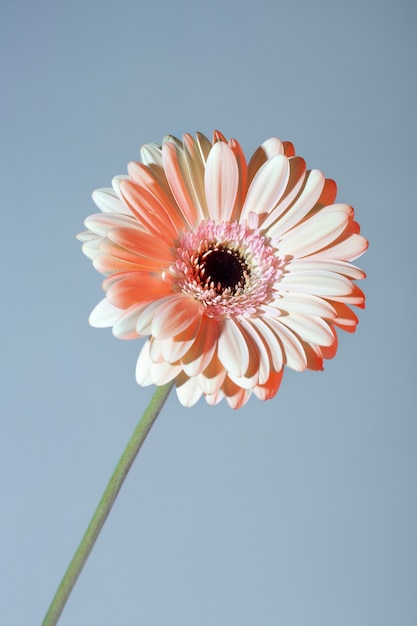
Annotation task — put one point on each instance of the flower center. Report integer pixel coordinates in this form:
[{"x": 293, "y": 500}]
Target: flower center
[
  {"x": 228, "y": 267},
  {"x": 221, "y": 269}
]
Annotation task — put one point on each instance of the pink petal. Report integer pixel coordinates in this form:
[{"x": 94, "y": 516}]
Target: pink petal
[
  {"x": 176, "y": 171},
  {"x": 107, "y": 264},
  {"x": 178, "y": 313},
  {"x": 132, "y": 288},
  {"x": 270, "y": 388},
  {"x": 221, "y": 182},
  {"x": 196, "y": 167},
  {"x": 201, "y": 353},
  {"x": 151, "y": 213},
  {"x": 142, "y": 244},
  {"x": 243, "y": 179}
]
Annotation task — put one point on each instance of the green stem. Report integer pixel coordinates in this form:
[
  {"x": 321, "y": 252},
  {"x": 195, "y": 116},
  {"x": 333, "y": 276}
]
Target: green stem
[{"x": 105, "y": 504}]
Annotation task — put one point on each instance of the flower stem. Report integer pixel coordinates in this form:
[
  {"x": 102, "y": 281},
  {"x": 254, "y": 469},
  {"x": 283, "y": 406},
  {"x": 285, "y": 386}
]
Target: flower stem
[{"x": 105, "y": 504}]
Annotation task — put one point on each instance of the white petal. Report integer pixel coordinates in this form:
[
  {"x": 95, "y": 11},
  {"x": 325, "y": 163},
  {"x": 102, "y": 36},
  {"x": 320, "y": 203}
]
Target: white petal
[
  {"x": 151, "y": 154},
  {"x": 318, "y": 283},
  {"x": 221, "y": 182},
  {"x": 263, "y": 355},
  {"x": 267, "y": 187},
  {"x": 101, "y": 223},
  {"x": 91, "y": 248},
  {"x": 215, "y": 398},
  {"x": 294, "y": 353},
  {"x": 196, "y": 167},
  {"x": 308, "y": 197},
  {"x": 271, "y": 341},
  {"x": 297, "y": 175},
  {"x": 143, "y": 367},
  {"x": 315, "y": 233},
  {"x": 310, "y": 329},
  {"x": 163, "y": 373},
  {"x": 104, "y": 314},
  {"x": 329, "y": 265},
  {"x": 347, "y": 250},
  {"x": 304, "y": 303},
  {"x": 188, "y": 390},
  {"x": 212, "y": 378},
  {"x": 116, "y": 182},
  {"x": 108, "y": 201},
  {"x": 125, "y": 327},
  {"x": 232, "y": 349},
  {"x": 174, "y": 348},
  {"x": 145, "y": 319},
  {"x": 270, "y": 148}
]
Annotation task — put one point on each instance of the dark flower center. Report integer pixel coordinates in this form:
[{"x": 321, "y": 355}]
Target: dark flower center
[{"x": 221, "y": 268}]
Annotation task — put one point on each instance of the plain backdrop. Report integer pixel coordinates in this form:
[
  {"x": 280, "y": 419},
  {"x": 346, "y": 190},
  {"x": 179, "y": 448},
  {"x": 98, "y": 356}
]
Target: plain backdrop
[{"x": 300, "y": 511}]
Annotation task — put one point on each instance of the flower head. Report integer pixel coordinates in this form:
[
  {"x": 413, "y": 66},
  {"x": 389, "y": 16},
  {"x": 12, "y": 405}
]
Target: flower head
[{"x": 232, "y": 269}]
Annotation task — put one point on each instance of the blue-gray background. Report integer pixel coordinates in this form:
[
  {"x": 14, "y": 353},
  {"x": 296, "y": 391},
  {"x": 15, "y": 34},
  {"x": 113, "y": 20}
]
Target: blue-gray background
[{"x": 300, "y": 511}]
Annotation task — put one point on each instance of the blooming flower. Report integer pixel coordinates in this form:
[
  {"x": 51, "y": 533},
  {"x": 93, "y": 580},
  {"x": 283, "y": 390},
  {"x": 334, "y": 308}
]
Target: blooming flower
[{"x": 232, "y": 269}]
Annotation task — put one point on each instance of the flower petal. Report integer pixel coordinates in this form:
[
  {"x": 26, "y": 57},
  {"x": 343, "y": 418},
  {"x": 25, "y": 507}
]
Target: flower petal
[
  {"x": 142, "y": 244},
  {"x": 267, "y": 187},
  {"x": 201, "y": 352},
  {"x": 108, "y": 201},
  {"x": 294, "y": 353},
  {"x": 304, "y": 303},
  {"x": 212, "y": 378},
  {"x": 310, "y": 329},
  {"x": 176, "y": 171},
  {"x": 232, "y": 349},
  {"x": 270, "y": 388},
  {"x": 178, "y": 313},
  {"x": 221, "y": 181},
  {"x": 104, "y": 314},
  {"x": 268, "y": 150},
  {"x": 302, "y": 205},
  {"x": 315, "y": 233},
  {"x": 188, "y": 390}
]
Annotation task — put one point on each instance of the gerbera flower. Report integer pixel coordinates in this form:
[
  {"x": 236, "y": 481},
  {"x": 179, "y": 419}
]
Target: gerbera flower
[{"x": 232, "y": 270}]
